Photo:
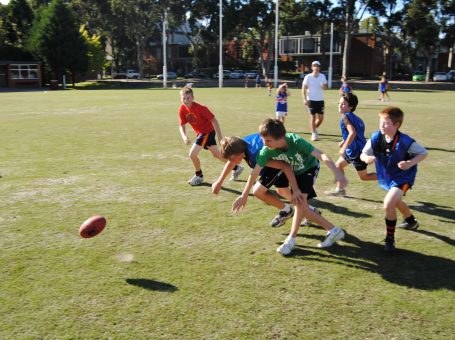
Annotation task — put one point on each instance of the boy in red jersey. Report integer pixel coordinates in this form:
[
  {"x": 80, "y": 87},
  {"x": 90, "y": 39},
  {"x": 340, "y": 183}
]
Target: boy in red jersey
[{"x": 206, "y": 128}]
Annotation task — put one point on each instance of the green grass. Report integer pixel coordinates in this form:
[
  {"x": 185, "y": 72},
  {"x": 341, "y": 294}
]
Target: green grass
[{"x": 173, "y": 262}]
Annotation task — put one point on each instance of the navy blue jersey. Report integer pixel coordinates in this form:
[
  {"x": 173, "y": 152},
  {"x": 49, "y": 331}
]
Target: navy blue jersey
[
  {"x": 388, "y": 155},
  {"x": 255, "y": 145},
  {"x": 355, "y": 148},
  {"x": 282, "y": 102}
]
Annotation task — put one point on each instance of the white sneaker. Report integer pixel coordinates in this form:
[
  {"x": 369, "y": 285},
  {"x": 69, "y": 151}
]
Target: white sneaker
[
  {"x": 281, "y": 218},
  {"x": 336, "y": 192},
  {"x": 196, "y": 180},
  {"x": 314, "y": 136},
  {"x": 236, "y": 173},
  {"x": 334, "y": 235},
  {"x": 287, "y": 246}
]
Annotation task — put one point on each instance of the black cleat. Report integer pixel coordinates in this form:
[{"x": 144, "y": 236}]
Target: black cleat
[
  {"x": 389, "y": 245},
  {"x": 406, "y": 225}
]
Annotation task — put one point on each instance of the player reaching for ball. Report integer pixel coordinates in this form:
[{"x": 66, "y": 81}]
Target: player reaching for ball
[{"x": 206, "y": 128}]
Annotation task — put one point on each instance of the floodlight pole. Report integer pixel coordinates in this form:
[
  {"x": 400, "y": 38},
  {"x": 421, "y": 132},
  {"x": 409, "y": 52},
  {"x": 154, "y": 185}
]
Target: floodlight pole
[
  {"x": 164, "y": 49},
  {"x": 275, "y": 70},
  {"x": 220, "y": 66},
  {"x": 331, "y": 56}
]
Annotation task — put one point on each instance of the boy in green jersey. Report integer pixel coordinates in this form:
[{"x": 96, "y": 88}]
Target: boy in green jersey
[{"x": 304, "y": 160}]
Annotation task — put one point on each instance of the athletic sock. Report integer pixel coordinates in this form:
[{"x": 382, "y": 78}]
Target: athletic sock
[
  {"x": 287, "y": 208},
  {"x": 199, "y": 173},
  {"x": 410, "y": 220},
  {"x": 390, "y": 225},
  {"x": 235, "y": 168}
]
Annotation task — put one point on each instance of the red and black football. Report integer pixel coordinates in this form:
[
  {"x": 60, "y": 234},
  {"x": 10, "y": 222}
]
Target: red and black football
[{"x": 92, "y": 227}]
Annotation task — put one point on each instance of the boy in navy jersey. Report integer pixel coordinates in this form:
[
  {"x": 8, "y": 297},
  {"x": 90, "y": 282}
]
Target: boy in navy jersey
[
  {"x": 396, "y": 156},
  {"x": 352, "y": 131}
]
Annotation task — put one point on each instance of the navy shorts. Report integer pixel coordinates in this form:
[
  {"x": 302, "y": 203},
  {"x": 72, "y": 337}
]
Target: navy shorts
[
  {"x": 359, "y": 165},
  {"x": 316, "y": 107},
  {"x": 206, "y": 139}
]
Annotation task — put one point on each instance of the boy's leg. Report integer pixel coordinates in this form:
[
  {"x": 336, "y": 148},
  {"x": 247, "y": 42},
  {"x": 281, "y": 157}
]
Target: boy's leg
[
  {"x": 341, "y": 163},
  {"x": 319, "y": 120},
  {"x": 216, "y": 153},
  {"x": 194, "y": 152},
  {"x": 364, "y": 175},
  {"x": 267, "y": 196},
  {"x": 390, "y": 205},
  {"x": 410, "y": 221}
]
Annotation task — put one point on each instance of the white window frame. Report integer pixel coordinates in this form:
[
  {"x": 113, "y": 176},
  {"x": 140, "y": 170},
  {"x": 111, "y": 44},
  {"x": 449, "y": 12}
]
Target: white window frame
[{"x": 24, "y": 71}]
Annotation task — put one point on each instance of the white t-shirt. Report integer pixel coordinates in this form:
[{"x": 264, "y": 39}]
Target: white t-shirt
[{"x": 314, "y": 84}]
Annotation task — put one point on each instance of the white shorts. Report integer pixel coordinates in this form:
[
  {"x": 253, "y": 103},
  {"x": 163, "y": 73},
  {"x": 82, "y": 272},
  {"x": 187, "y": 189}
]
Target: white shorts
[{"x": 281, "y": 114}]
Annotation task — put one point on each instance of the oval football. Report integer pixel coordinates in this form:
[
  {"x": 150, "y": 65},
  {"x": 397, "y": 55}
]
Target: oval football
[{"x": 92, "y": 227}]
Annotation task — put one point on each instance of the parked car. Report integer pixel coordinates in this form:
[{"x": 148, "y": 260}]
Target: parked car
[
  {"x": 418, "y": 76},
  {"x": 440, "y": 76},
  {"x": 226, "y": 74},
  {"x": 170, "y": 75},
  {"x": 237, "y": 74},
  {"x": 451, "y": 75},
  {"x": 195, "y": 74},
  {"x": 129, "y": 74},
  {"x": 251, "y": 74}
]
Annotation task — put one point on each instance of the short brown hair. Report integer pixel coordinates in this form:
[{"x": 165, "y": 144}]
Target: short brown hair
[
  {"x": 272, "y": 127},
  {"x": 230, "y": 146},
  {"x": 394, "y": 114},
  {"x": 187, "y": 90}
]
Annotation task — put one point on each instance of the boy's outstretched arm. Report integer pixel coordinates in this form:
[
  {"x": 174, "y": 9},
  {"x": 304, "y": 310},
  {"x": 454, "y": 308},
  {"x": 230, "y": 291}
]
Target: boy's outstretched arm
[
  {"x": 228, "y": 167},
  {"x": 339, "y": 177},
  {"x": 405, "y": 165},
  {"x": 240, "y": 202},
  {"x": 367, "y": 154},
  {"x": 185, "y": 138},
  {"x": 217, "y": 128}
]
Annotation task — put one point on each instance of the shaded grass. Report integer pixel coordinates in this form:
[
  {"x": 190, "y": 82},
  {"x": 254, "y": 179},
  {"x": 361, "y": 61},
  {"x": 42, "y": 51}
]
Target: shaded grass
[{"x": 173, "y": 262}]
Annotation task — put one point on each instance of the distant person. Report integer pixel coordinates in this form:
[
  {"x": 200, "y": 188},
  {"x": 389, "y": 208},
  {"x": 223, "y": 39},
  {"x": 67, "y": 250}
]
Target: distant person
[
  {"x": 396, "y": 156},
  {"x": 269, "y": 86},
  {"x": 246, "y": 81},
  {"x": 345, "y": 86},
  {"x": 282, "y": 95},
  {"x": 383, "y": 88},
  {"x": 353, "y": 134},
  {"x": 313, "y": 87},
  {"x": 206, "y": 128},
  {"x": 258, "y": 81}
]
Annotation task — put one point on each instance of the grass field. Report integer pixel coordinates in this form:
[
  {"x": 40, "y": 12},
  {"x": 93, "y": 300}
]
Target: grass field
[{"x": 173, "y": 262}]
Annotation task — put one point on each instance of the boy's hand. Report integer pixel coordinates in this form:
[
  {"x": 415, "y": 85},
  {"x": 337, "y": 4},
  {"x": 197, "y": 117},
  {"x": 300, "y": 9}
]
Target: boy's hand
[
  {"x": 297, "y": 197},
  {"x": 369, "y": 159},
  {"x": 404, "y": 165},
  {"x": 216, "y": 187},
  {"x": 239, "y": 204},
  {"x": 187, "y": 141}
]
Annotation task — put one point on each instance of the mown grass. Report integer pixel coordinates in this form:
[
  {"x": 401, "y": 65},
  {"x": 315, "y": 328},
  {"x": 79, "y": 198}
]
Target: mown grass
[{"x": 173, "y": 261}]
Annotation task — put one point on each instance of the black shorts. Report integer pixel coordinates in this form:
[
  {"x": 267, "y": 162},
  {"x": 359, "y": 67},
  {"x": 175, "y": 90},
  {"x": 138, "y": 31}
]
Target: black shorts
[
  {"x": 359, "y": 165},
  {"x": 206, "y": 139},
  {"x": 316, "y": 107},
  {"x": 272, "y": 176}
]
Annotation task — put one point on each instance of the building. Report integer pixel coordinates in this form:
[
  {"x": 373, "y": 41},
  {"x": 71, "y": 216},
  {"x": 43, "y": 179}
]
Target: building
[{"x": 20, "y": 74}]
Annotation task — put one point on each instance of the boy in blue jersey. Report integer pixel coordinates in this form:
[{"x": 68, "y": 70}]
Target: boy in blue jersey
[
  {"x": 304, "y": 160},
  {"x": 396, "y": 156},
  {"x": 277, "y": 173},
  {"x": 352, "y": 131}
]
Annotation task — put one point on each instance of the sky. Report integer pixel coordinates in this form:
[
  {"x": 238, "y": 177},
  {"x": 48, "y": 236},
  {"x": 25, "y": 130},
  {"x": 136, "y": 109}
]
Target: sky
[{"x": 4, "y": 1}]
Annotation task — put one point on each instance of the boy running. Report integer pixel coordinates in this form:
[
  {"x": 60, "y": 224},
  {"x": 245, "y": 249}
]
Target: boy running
[
  {"x": 303, "y": 158},
  {"x": 206, "y": 128},
  {"x": 396, "y": 156}
]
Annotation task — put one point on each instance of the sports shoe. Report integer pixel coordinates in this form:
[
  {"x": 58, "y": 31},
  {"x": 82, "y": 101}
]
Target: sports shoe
[
  {"x": 336, "y": 192},
  {"x": 389, "y": 246},
  {"x": 314, "y": 136},
  {"x": 406, "y": 225},
  {"x": 334, "y": 235},
  {"x": 236, "y": 173},
  {"x": 281, "y": 218},
  {"x": 287, "y": 246},
  {"x": 196, "y": 180},
  {"x": 306, "y": 222}
]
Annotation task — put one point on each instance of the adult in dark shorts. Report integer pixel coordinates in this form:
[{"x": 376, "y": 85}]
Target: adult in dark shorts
[{"x": 313, "y": 87}]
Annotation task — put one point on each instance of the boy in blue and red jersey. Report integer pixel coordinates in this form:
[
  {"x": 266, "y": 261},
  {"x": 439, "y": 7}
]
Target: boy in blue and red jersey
[
  {"x": 282, "y": 95},
  {"x": 396, "y": 156},
  {"x": 206, "y": 128},
  {"x": 352, "y": 131}
]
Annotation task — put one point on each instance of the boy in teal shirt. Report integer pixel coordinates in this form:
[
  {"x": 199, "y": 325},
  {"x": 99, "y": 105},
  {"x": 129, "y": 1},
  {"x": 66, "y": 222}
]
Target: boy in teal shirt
[{"x": 304, "y": 160}]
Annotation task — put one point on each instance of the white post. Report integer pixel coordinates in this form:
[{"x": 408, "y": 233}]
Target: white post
[
  {"x": 331, "y": 56},
  {"x": 220, "y": 66},
  {"x": 275, "y": 70},
  {"x": 164, "y": 49},
  {"x": 64, "y": 82}
]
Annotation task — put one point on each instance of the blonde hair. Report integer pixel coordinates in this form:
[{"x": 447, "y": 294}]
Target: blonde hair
[
  {"x": 231, "y": 146},
  {"x": 187, "y": 90}
]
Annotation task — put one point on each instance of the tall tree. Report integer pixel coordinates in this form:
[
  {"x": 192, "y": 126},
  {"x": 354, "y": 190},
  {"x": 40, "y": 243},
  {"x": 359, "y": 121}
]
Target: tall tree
[
  {"x": 56, "y": 40},
  {"x": 19, "y": 22}
]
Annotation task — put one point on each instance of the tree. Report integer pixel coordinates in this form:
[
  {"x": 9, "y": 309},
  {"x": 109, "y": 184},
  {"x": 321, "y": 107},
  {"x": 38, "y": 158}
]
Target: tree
[
  {"x": 56, "y": 40},
  {"x": 95, "y": 51},
  {"x": 19, "y": 22}
]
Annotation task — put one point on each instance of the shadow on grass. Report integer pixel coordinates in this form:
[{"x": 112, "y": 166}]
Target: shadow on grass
[
  {"x": 434, "y": 209},
  {"x": 232, "y": 191},
  {"x": 404, "y": 268},
  {"x": 152, "y": 285},
  {"x": 338, "y": 209},
  {"x": 438, "y": 149}
]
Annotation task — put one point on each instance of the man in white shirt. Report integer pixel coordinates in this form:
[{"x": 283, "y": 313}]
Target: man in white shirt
[{"x": 313, "y": 87}]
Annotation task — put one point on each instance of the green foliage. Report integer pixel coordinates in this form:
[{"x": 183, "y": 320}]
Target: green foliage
[
  {"x": 57, "y": 41},
  {"x": 173, "y": 262},
  {"x": 95, "y": 51},
  {"x": 20, "y": 18},
  {"x": 371, "y": 25}
]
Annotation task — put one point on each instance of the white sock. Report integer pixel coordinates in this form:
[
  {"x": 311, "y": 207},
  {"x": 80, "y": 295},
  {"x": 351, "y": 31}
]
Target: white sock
[{"x": 287, "y": 208}]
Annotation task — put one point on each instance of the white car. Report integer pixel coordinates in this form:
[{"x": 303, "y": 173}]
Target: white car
[
  {"x": 226, "y": 74},
  {"x": 170, "y": 75},
  {"x": 451, "y": 75},
  {"x": 440, "y": 76},
  {"x": 237, "y": 74}
]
